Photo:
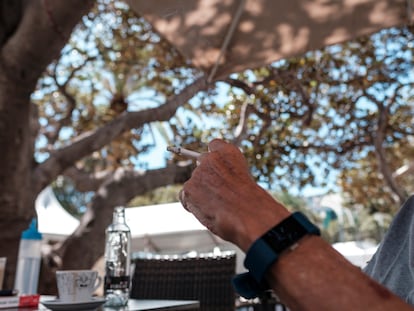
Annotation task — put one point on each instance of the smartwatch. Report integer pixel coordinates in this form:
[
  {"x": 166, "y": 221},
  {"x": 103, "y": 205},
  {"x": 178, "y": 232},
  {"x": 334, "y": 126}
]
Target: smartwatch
[{"x": 267, "y": 249}]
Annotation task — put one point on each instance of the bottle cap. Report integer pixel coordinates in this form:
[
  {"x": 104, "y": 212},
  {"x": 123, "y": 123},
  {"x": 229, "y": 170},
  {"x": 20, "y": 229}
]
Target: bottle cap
[
  {"x": 119, "y": 209},
  {"x": 31, "y": 233}
]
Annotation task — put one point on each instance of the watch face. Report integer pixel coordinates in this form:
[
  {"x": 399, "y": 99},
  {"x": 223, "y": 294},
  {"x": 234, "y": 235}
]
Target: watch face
[{"x": 285, "y": 234}]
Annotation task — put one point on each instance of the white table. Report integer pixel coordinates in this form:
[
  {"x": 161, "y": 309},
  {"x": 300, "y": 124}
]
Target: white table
[
  {"x": 139, "y": 305},
  {"x": 145, "y": 304}
]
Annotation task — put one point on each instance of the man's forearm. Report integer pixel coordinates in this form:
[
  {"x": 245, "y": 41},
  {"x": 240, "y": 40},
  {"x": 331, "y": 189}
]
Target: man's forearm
[{"x": 314, "y": 276}]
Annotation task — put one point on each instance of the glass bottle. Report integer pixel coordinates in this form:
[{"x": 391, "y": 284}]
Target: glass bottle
[{"x": 117, "y": 260}]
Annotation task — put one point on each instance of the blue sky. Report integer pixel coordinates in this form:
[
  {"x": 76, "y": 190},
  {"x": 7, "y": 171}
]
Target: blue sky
[{"x": 156, "y": 158}]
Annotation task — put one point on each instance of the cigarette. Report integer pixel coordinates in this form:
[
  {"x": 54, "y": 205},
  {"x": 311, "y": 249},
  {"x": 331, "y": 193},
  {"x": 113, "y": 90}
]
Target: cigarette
[{"x": 184, "y": 152}]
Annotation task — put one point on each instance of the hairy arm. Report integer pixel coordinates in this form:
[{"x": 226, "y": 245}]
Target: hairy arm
[{"x": 312, "y": 276}]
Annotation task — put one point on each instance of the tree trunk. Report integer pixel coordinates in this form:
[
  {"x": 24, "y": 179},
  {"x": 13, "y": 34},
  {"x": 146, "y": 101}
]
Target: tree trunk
[
  {"x": 86, "y": 245},
  {"x": 29, "y": 41}
]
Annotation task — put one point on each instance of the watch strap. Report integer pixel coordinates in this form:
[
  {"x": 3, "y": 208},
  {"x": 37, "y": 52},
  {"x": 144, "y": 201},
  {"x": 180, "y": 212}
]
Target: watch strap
[
  {"x": 247, "y": 286},
  {"x": 267, "y": 249}
]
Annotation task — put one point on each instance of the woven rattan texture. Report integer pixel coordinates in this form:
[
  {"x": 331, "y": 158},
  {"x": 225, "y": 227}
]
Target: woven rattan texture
[{"x": 204, "y": 278}]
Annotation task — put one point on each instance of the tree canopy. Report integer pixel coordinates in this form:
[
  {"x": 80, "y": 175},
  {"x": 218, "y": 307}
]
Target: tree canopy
[
  {"x": 83, "y": 101},
  {"x": 328, "y": 118}
]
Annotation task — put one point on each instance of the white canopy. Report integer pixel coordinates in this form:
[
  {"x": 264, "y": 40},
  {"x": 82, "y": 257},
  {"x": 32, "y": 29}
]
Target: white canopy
[
  {"x": 144, "y": 221},
  {"x": 358, "y": 253},
  {"x": 166, "y": 229},
  {"x": 163, "y": 228},
  {"x": 54, "y": 222}
]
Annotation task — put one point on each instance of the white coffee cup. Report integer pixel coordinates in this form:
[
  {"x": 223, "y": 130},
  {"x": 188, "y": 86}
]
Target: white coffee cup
[{"x": 77, "y": 285}]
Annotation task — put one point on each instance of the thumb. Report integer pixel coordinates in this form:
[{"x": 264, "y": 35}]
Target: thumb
[
  {"x": 217, "y": 144},
  {"x": 232, "y": 152}
]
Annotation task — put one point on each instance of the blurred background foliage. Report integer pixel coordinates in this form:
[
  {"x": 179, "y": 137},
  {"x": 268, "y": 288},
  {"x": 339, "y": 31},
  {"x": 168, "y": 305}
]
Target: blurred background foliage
[{"x": 338, "y": 119}]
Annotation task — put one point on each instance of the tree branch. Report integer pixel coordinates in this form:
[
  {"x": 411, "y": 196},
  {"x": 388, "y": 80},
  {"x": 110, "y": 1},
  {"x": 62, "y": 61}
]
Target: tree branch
[
  {"x": 248, "y": 89},
  {"x": 63, "y": 158},
  {"x": 241, "y": 129},
  {"x": 124, "y": 185},
  {"x": 10, "y": 15},
  {"x": 37, "y": 29},
  {"x": 86, "y": 181},
  {"x": 379, "y": 138}
]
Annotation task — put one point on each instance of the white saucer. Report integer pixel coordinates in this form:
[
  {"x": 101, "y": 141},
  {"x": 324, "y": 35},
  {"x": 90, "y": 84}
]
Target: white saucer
[{"x": 57, "y": 305}]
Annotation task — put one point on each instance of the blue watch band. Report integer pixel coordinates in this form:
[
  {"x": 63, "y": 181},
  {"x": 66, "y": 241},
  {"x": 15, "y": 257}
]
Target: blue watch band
[{"x": 267, "y": 249}]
